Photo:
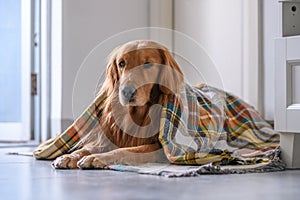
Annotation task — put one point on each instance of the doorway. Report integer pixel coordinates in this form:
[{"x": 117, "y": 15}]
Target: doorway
[{"x": 15, "y": 70}]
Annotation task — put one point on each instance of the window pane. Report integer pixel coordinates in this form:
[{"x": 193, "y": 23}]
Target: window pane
[{"x": 10, "y": 55}]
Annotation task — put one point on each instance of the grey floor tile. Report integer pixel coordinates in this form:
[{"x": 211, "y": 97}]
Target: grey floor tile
[{"x": 23, "y": 177}]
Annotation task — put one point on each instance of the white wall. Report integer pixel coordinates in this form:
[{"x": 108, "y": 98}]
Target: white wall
[
  {"x": 271, "y": 30},
  {"x": 217, "y": 26},
  {"x": 85, "y": 24},
  {"x": 230, "y": 33}
]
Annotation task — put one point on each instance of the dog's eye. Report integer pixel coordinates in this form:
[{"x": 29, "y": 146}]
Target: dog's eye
[
  {"x": 148, "y": 64},
  {"x": 122, "y": 64}
]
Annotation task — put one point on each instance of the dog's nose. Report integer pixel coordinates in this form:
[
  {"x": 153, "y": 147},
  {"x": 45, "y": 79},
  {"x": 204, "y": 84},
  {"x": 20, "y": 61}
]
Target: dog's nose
[{"x": 128, "y": 92}]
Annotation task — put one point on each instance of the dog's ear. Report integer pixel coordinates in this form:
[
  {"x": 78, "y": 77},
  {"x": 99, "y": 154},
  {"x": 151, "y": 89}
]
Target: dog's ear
[
  {"x": 112, "y": 75},
  {"x": 171, "y": 76}
]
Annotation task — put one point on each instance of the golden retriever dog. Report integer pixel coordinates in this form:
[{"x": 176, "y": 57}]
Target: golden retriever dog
[{"x": 139, "y": 75}]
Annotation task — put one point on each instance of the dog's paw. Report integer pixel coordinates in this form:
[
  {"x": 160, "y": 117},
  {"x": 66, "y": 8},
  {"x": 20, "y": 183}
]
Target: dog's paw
[
  {"x": 92, "y": 162},
  {"x": 65, "y": 162}
]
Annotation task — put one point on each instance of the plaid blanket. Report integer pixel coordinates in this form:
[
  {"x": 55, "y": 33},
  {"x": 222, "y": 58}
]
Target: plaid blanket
[
  {"x": 202, "y": 125},
  {"x": 65, "y": 142},
  {"x": 207, "y": 125}
]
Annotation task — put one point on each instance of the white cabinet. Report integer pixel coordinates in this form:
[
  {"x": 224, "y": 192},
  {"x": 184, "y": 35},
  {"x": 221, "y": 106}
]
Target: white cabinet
[
  {"x": 287, "y": 85},
  {"x": 287, "y": 98},
  {"x": 287, "y": 112}
]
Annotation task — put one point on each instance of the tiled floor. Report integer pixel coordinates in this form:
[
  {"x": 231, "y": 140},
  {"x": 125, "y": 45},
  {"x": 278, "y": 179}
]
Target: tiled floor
[{"x": 25, "y": 178}]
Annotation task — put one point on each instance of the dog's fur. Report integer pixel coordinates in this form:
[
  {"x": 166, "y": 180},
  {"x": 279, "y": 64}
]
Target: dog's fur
[{"x": 139, "y": 76}]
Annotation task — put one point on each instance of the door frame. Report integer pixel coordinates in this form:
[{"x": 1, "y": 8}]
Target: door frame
[{"x": 26, "y": 64}]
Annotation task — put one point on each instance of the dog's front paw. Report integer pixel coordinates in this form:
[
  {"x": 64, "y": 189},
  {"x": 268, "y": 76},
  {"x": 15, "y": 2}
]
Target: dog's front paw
[
  {"x": 65, "y": 162},
  {"x": 92, "y": 162}
]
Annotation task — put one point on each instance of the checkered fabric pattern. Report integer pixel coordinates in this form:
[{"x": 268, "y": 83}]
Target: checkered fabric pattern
[
  {"x": 207, "y": 125},
  {"x": 64, "y": 142},
  {"x": 201, "y": 125}
]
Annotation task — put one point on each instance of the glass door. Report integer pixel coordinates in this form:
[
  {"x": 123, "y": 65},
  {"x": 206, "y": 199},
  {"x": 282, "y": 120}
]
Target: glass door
[{"x": 15, "y": 69}]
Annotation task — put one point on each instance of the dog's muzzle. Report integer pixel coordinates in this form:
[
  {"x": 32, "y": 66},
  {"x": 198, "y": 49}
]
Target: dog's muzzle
[{"x": 128, "y": 93}]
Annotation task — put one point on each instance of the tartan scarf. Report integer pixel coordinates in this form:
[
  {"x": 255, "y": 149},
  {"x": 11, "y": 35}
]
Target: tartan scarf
[{"x": 199, "y": 126}]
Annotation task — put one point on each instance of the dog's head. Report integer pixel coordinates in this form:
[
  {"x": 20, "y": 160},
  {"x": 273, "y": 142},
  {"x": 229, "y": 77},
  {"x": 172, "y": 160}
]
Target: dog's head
[{"x": 136, "y": 68}]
